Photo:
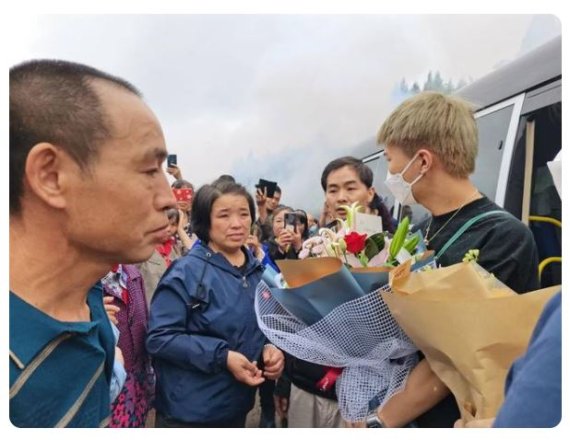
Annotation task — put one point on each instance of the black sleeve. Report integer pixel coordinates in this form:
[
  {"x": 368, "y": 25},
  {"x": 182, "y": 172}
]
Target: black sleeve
[{"x": 511, "y": 255}]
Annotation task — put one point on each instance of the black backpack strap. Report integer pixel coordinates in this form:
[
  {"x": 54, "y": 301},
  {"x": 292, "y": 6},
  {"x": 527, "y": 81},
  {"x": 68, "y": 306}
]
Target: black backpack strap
[{"x": 199, "y": 295}]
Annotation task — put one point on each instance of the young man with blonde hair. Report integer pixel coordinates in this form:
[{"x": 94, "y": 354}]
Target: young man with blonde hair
[{"x": 431, "y": 146}]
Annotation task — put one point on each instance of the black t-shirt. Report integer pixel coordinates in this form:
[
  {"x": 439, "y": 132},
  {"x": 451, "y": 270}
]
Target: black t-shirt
[{"x": 506, "y": 248}]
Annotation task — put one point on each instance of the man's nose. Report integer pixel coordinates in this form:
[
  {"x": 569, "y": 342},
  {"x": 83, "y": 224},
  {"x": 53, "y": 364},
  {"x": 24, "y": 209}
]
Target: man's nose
[
  {"x": 342, "y": 196},
  {"x": 164, "y": 198}
]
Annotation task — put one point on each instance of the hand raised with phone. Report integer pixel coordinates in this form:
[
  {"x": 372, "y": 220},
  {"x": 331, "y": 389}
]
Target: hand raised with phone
[
  {"x": 261, "y": 196},
  {"x": 285, "y": 239},
  {"x": 172, "y": 166}
]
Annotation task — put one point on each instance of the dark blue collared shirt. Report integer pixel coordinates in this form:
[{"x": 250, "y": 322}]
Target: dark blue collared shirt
[{"x": 60, "y": 371}]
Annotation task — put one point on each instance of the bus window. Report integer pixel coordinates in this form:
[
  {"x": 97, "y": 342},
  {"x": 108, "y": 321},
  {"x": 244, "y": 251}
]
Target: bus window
[{"x": 493, "y": 129}]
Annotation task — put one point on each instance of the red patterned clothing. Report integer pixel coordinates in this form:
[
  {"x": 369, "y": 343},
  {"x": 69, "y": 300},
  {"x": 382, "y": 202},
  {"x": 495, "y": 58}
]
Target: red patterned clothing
[
  {"x": 165, "y": 250},
  {"x": 133, "y": 403}
]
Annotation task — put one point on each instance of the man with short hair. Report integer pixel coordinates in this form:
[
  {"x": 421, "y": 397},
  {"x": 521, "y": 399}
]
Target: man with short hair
[
  {"x": 306, "y": 392},
  {"x": 347, "y": 180},
  {"x": 273, "y": 202},
  {"x": 431, "y": 145},
  {"x": 86, "y": 192}
]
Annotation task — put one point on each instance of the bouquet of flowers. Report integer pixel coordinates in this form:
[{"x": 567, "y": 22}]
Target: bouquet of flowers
[
  {"x": 361, "y": 249},
  {"x": 329, "y": 312},
  {"x": 469, "y": 325}
]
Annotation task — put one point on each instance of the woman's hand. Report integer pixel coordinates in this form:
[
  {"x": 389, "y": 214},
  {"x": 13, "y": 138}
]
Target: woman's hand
[
  {"x": 111, "y": 309},
  {"x": 284, "y": 240},
  {"x": 243, "y": 370},
  {"x": 174, "y": 171},
  {"x": 182, "y": 220},
  {"x": 274, "y": 362}
]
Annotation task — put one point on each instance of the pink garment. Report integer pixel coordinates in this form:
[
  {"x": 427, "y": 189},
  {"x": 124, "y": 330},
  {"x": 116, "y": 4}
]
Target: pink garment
[{"x": 134, "y": 401}]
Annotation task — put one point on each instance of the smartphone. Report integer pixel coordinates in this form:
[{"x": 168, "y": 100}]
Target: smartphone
[
  {"x": 183, "y": 194},
  {"x": 268, "y": 185},
  {"x": 291, "y": 221},
  {"x": 171, "y": 160}
]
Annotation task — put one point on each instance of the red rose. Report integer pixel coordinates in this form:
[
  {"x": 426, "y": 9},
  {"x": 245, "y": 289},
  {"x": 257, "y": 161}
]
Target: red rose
[{"x": 355, "y": 242}]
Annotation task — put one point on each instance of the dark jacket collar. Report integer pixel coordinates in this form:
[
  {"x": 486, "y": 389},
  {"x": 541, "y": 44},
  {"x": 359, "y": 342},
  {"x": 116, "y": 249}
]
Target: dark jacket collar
[{"x": 205, "y": 253}]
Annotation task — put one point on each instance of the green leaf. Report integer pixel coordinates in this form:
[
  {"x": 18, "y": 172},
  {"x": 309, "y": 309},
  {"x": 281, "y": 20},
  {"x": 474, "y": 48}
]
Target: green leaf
[
  {"x": 363, "y": 259},
  {"x": 374, "y": 244}
]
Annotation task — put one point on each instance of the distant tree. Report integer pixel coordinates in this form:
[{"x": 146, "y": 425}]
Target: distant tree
[
  {"x": 438, "y": 83},
  {"x": 428, "y": 85},
  {"x": 434, "y": 82}
]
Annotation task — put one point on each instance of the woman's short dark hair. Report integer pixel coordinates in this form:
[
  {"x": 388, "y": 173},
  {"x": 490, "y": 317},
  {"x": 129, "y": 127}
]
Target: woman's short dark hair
[
  {"x": 204, "y": 201},
  {"x": 224, "y": 178},
  {"x": 302, "y": 216},
  {"x": 364, "y": 172},
  {"x": 181, "y": 183},
  {"x": 278, "y": 210}
]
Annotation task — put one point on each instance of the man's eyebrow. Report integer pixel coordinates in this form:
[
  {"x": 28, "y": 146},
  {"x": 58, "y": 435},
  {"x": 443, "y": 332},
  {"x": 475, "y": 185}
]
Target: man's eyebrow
[
  {"x": 157, "y": 153},
  {"x": 350, "y": 182}
]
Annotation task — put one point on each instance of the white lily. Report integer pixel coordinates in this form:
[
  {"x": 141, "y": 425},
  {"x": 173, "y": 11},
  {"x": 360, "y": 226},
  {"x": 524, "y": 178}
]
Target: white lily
[{"x": 351, "y": 211}]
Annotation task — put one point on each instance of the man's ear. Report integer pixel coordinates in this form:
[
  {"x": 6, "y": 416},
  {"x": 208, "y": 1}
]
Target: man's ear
[
  {"x": 427, "y": 159},
  {"x": 47, "y": 173}
]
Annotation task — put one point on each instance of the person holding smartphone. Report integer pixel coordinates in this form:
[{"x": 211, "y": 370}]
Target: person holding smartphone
[
  {"x": 172, "y": 167},
  {"x": 267, "y": 198},
  {"x": 184, "y": 193},
  {"x": 286, "y": 241}
]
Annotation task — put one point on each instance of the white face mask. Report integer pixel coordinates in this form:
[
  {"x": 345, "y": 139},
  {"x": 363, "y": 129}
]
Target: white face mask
[{"x": 400, "y": 189}]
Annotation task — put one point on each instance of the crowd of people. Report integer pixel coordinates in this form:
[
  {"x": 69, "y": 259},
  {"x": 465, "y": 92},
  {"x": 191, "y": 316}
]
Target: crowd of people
[{"x": 132, "y": 300}]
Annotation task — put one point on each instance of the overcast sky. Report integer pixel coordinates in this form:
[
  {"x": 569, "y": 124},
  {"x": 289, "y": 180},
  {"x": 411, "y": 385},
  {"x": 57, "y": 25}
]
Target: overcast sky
[{"x": 277, "y": 96}]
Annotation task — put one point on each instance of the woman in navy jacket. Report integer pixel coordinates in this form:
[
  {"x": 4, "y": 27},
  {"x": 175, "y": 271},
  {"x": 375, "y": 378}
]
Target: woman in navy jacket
[{"x": 208, "y": 352}]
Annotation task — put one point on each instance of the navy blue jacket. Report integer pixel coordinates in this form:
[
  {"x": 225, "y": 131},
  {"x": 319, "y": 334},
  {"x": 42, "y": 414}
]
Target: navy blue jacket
[
  {"x": 533, "y": 394},
  {"x": 203, "y": 307}
]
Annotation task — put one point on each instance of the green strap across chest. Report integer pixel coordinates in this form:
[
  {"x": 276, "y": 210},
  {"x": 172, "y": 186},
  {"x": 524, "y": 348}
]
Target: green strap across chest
[{"x": 466, "y": 226}]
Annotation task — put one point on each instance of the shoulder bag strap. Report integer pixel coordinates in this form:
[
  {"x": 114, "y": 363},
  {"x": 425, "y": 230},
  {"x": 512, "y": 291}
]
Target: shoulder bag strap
[{"x": 466, "y": 226}]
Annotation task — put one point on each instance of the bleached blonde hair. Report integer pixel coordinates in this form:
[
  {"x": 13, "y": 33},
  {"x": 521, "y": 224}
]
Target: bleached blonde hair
[{"x": 440, "y": 123}]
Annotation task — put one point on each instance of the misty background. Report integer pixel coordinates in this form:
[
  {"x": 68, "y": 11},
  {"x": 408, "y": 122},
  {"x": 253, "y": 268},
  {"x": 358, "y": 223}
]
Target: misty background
[{"x": 278, "y": 96}]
